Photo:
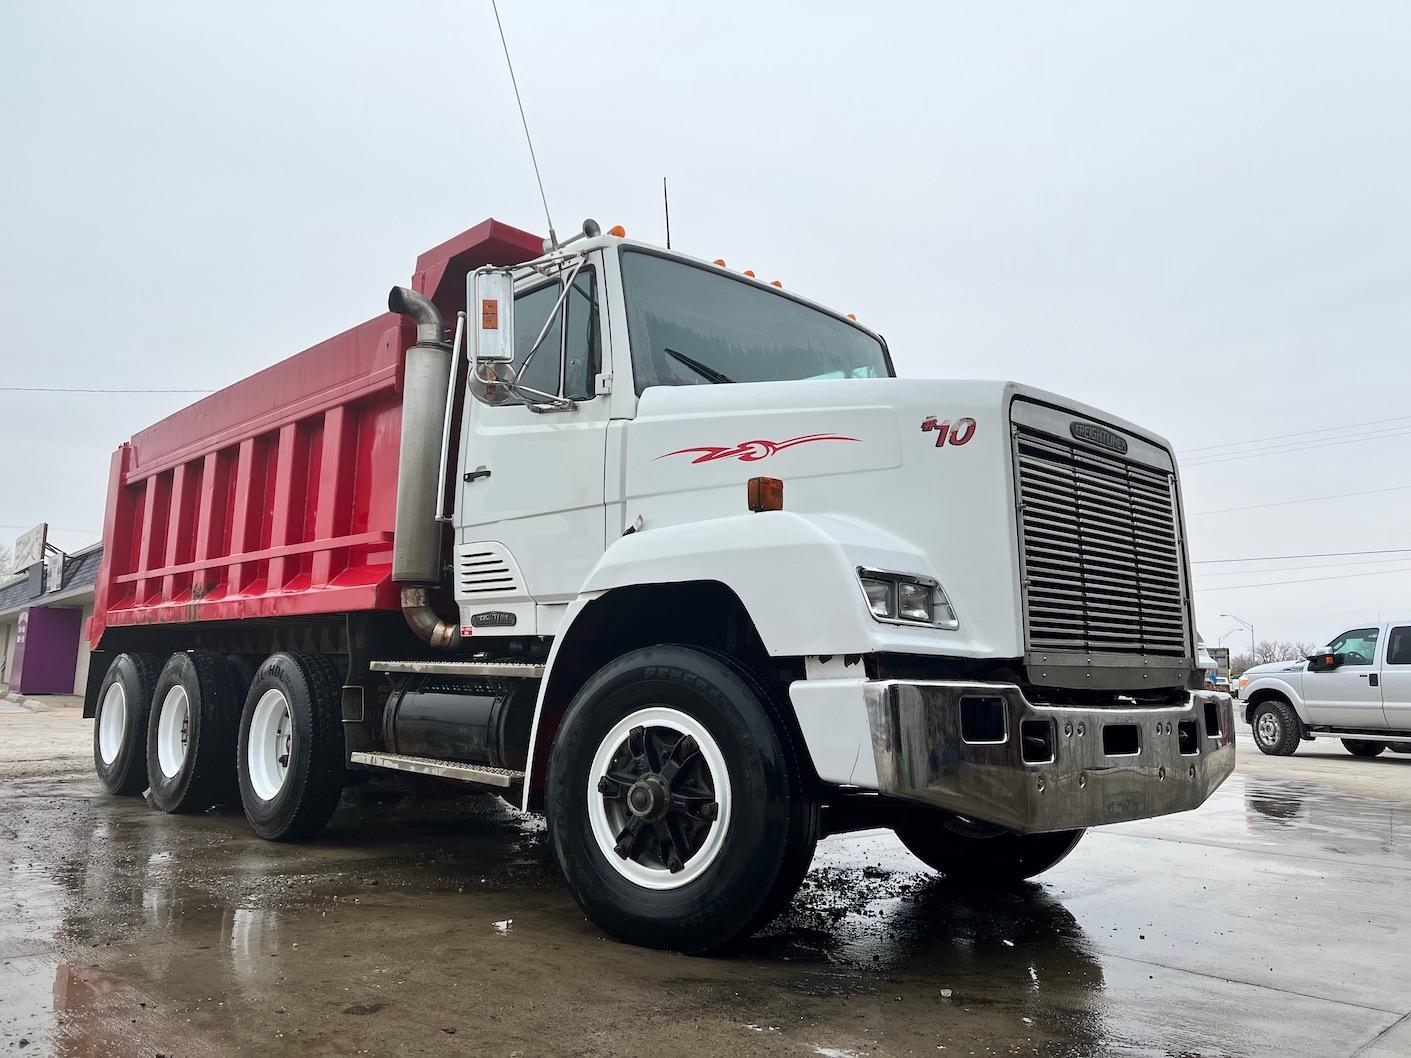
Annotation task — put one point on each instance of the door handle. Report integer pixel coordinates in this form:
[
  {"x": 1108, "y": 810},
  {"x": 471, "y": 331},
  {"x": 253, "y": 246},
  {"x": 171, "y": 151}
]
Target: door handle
[
  {"x": 475, "y": 475},
  {"x": 1375, "y": 679}
]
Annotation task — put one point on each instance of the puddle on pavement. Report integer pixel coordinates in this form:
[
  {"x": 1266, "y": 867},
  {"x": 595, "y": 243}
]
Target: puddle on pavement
[{"x": 439, "y": 924}]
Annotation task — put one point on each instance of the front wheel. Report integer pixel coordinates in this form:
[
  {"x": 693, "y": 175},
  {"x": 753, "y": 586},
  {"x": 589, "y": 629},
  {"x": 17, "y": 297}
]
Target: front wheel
[
  {"x": 1362, "y": 748},
  {"x": 676, "y": 802},
  {"x": 1275, "y": 729},
  {"x": 973, "y": 855}
]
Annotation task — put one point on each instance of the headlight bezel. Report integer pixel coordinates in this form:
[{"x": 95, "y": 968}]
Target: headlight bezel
[{"x": 941, "y": 614}]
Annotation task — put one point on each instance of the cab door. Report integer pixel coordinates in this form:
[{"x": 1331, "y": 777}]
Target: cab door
[
  {"x": 530, "y": 515},
  {"x": 1349, "y": 696},
  {"x": 1396, "y": 678}
]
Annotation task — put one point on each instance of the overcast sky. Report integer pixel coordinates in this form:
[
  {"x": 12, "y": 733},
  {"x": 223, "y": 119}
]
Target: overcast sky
[{"x": 1196, "y": 215}]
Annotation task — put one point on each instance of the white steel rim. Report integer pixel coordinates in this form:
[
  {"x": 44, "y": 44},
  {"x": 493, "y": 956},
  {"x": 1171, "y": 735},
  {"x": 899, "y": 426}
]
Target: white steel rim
[
  {"x": 112, "y": 722},
  {"x": 606, "y": 826},
  {"x": 270, "y": 745},
  {"x": 173, "y": 730}
]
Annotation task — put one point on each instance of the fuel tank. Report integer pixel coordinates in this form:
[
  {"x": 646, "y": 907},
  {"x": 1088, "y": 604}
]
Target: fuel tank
[{"x": 467, "y": 720}]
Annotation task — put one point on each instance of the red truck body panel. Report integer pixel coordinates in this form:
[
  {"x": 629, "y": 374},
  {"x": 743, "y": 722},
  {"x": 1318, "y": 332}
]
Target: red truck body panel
[{"x": 276, "y": 496}]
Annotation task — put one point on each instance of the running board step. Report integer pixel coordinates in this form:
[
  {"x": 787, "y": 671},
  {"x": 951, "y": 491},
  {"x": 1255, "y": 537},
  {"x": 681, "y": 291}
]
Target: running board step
[
  {"x": 479, "y": 774},
  {"x": 513, "y": 670}
]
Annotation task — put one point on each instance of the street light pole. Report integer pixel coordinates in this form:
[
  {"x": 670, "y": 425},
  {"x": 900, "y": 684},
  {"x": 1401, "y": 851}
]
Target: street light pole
[{"x": 1242, "y": 621}]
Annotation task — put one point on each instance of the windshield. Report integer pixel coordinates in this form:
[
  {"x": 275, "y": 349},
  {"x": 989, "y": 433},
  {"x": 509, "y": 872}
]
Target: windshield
[{"x": 694, "y": 326}]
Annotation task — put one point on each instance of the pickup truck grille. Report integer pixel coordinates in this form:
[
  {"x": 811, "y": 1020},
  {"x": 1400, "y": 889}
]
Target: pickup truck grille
[{"x": 1100, "y": 551}]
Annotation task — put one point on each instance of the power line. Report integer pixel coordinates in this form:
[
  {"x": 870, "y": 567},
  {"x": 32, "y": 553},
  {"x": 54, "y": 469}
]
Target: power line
[
  {"x": 1306, "y": 499},
  {"x": 1303, "y": 580},
  {"x": 1300, "y": 433},
  {"x": 60, "y": 389},
  {"x": 1292, "y": 569},
  {"x": 1329, "y": 442},
  {"x": 1283, "y": 558}
]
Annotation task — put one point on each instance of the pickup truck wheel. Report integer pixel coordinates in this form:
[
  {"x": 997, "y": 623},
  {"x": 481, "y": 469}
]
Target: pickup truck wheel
[
  {"x": 966, "y": 857},
  {"x": 290, "y": 751},
  {"x": 677, "y": 812},
  {"x": 1362, "y": 748},
  {"x": 120, "y": 723},
  {"x": 1275, "y": 728},
  {"x": 1401, "y": 747},
  {"x": 191, "y": 733}
]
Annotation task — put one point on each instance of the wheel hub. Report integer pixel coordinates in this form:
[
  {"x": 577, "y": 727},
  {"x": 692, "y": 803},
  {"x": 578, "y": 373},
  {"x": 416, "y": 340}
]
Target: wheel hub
[
  {"x": 659, "y": 803},
  {"x": 649, "y": 797}
]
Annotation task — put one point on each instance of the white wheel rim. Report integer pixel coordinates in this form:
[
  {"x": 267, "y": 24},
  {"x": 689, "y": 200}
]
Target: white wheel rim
[
  {"x": 609, "y": 814},
  {"x": 270, "y": 745},
  {"x": 112, "y": 723},
  {"x": 173, "y": 728}
]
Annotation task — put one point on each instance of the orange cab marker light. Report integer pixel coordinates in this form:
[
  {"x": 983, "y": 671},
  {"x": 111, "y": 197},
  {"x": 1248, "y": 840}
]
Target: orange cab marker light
[
  {"x": 852, "y": 316},
  {"x": 718, "y": 261},
  {"x": 618, "y": 230},
  {"x": 776, "y": 283},
  {"x": 749, "y": 273},
  {"x": 765, "y": 494}
]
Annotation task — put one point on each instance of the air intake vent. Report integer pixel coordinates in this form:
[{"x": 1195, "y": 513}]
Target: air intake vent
[
  {"x": 1100, "y": 549},
  {"x": 486, "y": 571}
]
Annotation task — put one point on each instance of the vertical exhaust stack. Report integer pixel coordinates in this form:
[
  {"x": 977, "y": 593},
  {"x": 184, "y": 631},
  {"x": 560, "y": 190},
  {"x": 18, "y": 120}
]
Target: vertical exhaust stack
[{"x": 416, "y": 546}]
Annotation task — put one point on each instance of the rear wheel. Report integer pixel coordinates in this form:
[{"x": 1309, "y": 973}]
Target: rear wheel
[
  {"x": 191, "y": 733},
  {"x": 290, "y": 751},
  {"x": 976, "y": 854},
  {"x": 678, "y": 813},
  {"x": 1276, "y": 729},
  {"x": 1401, "y": 747},
  {"x": 1362, "y": 748},
  {"x": 120, "y": 723}
]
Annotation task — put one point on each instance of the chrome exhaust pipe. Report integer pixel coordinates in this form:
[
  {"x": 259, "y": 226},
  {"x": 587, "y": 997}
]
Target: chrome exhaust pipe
[{"x": 416, "y": 543}]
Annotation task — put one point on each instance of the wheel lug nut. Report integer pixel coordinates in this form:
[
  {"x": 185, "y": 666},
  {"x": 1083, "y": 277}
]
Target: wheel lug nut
[
  {"x": 709, "y": 810},
  {"x": 673, "y": 863},
  {"x": 605, "y": 784},
  {"x": 688, "y": 745}
]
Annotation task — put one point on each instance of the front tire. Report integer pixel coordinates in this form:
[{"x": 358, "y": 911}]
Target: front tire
[
  {"x": 971, "y": 856},
  {"x": 1276, "y": 730},
  {"x": 291, "y": 753},
  {"x": 120, "y": 723},
  {"x": 677, "y": 810},
  {"x": 191, "y": 733},
  {"x": 1362, "y": 748}
]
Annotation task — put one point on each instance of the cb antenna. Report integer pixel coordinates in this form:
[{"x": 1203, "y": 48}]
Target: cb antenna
[
  {"x": 666, "y": 206},
  {"x": 553, "y": 239}
]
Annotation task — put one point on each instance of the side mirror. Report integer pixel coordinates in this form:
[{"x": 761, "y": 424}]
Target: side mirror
[
  {"x": 491, "y": 312},
  {"x": 1323, "y": 661}
]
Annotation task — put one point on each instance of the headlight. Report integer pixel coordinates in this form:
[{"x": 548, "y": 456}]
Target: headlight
[{"x": 906, "y": 598}]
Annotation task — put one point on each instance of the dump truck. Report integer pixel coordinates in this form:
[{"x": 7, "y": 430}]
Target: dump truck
[{"x": 669, "y": 554}]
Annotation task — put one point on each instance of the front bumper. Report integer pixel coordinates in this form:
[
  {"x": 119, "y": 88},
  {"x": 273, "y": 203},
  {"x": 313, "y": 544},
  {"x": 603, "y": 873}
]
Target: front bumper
[{"x": 983, "y": 751}]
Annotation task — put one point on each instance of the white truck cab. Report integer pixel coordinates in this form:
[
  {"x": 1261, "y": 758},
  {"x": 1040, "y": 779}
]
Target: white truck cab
[{"x": 1357, "y": 689}]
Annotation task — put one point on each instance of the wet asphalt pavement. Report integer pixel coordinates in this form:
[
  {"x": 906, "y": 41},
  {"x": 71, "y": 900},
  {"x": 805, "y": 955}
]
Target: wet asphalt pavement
[{"x": 1274, "y": 921}]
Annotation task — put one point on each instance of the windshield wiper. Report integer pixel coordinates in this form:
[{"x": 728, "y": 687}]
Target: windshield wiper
[{"x": 708, "y": 373}]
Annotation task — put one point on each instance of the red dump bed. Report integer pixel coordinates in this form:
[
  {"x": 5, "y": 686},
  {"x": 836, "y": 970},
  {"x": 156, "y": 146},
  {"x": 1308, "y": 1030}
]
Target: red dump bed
[{"x": 276, "y": 496}]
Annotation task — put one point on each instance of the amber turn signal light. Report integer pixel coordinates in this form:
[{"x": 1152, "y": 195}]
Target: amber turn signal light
[
  {"x": 618, "y": 230},
  {"x": 765, "y": 494}
]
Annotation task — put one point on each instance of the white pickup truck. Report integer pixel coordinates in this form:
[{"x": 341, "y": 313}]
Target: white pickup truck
[{"x": 1357, "y": 689}]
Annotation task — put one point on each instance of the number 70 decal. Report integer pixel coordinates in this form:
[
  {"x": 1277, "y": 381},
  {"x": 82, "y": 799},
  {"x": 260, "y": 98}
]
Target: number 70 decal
[{"x": 958, "y": 434}]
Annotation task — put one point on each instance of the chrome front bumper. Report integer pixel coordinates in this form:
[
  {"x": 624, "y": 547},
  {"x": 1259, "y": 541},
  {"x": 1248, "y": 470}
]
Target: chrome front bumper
[{"x": 981, "y": 750}]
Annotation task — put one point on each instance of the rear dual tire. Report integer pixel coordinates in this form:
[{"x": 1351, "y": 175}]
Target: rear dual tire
[
  {"x": 120, "y": 723},
  {"x": 291, "y": 753},
  {"x": 191, "y": 733}
]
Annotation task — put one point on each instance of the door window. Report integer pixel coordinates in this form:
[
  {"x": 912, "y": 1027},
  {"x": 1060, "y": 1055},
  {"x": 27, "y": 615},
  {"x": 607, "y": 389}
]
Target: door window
[
  {"x": 567, "y": 360},
  {"x": 1358, "y": 647},
  {"x": 1399, "y": 646}
]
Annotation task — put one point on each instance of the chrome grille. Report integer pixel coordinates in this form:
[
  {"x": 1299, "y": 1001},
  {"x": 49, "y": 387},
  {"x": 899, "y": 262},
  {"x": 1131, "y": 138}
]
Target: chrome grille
[{"x": 1100, "y": 549}]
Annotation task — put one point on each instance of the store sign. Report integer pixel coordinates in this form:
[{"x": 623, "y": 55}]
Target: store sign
[{"x": 29, "y": 548}]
